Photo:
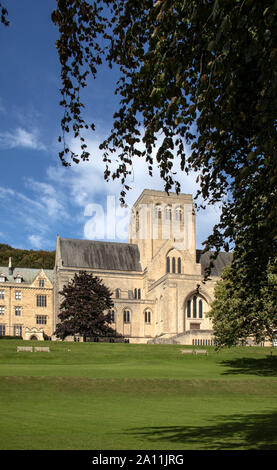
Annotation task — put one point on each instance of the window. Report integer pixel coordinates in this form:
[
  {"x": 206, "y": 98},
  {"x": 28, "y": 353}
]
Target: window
[
  {"x": 18, "y": 279},
  {"x": 167, "y": 213},
  {"x": 41, "y": 319},
  {"x": 2, "y": 294},
  {"x": 17, "y": 330},
  {"x": 126, "y": 316},
  {"x": 147, "y": 316},
  {"x": 18, "y": 295},
  {"x": 158, "y": 212},
  {"x": 137, "y": 293},
  {"x": 173, "y": 264},
  {"x": 189, "y": 308},
  {"x": 112, "y": 315},
  {"x": 2, "y": 278},
  {"x": 41, "y": 300},
  {"x": 2, "y": 330},
  {"x": 195, "y": 307},
  {"x": 41, "y": 282},
  {"x": 178, "y": 214},
  {"x": 117, "y": 293},
  {"x": 17, "y": 311},
  {"x": 2, "y": 310},
  {"x": 200, "y": 308}
]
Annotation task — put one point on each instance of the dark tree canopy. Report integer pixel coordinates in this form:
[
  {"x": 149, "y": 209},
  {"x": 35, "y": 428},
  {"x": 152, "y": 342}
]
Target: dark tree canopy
[
  {"x": 84, "y": 307},
  {"x": 202, "y": 76}
]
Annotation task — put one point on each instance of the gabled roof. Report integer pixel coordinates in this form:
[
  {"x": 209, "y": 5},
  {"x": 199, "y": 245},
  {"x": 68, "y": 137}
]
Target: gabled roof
[
  {"x": 99, "y": 255},
  {"x": 28, "y": 274},
  {"x": 223, "y": 259}
]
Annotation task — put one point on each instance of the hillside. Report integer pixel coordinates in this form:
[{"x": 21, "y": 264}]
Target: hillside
[{"x": 26, "y": 258}]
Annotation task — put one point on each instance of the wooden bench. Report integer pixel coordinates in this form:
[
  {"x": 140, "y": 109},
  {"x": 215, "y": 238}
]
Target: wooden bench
[
  {"x": 194, "y": 351},
  {"x": 40, "y": 349},
  {"x": 187, "y": 351},
  {"x": 24, "y": 348},
  {"x": 201, "y": 351}
]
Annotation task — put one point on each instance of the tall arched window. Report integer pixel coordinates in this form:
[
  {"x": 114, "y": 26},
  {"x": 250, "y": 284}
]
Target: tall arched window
[
  {"x": 167, "y": 213},
  {"x": 179, "y": 265},
  {"x": 194, "y": 301},
  {"x": 178, "y": 214},
  {"x": 189, "y": 308},
  {"x": 173, "y": 265},
  {"x": 158, "y": 212},
  {"x": 200, "y": 308},
  {"x": 168, "y": 264},
  {"x": 117, "y": 293},
  {"x": 195, "y": 307}
]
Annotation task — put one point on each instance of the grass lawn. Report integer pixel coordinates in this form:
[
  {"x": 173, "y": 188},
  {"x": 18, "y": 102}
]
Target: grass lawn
[{"x": 125, "y": 396}]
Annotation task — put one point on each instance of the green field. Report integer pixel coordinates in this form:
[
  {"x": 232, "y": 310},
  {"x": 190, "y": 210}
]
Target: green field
[{"x": 125, "y": 396}]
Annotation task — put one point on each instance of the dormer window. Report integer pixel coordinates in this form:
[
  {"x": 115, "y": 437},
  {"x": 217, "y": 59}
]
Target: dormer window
[
  {"x": 41, "y": 282},
  {"x": 18, "y": 279},
  {"x": 2, "y": 278}
]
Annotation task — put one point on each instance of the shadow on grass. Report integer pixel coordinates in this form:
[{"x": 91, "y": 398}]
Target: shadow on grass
[
  {"x": 266, "y": 367},
  {"x": 249, "y": 432}
]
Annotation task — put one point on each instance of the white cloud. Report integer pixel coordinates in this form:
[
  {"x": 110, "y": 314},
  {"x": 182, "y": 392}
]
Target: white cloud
[
  {"x": 21, "y": 138},
  {"x": 84, "y": 184},
  {"x": 36, "y": 241}
]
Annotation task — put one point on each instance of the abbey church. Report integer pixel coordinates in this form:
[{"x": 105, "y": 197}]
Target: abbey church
[{"x": 156, "y": 278}]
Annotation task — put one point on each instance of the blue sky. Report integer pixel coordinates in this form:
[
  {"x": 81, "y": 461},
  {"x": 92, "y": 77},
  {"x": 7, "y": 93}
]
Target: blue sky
[{"x": 38, "y": 197}]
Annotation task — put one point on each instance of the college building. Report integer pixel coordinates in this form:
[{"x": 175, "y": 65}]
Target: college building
[{"x": 156, "y": 278}]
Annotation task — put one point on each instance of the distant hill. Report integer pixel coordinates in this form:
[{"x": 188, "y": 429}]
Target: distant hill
[{"x": 26, "y": 258}]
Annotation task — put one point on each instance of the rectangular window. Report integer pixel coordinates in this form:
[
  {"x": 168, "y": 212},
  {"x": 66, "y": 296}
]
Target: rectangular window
[
  {"x": 2, "y": 279},
  {"x": 18, "y": 311},
  {"x": 2, "y": 330},
  {"x": 126, "y": 316},
  {"x": 41, "y": 300},
  {"x": 18, "y": 295},
  {"x": 17, "y": 330},
  {"x": 41, "y": 319},
  {"x": 41, "y": 283},
  {"x": 18, "y": 280},
  {"x": 2, "y": 310},
  {"x": 2, "y": 294}
]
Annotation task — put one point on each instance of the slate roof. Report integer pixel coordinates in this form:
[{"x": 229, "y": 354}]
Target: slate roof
[
  {"x": 28, "y": 274},
  {"x": 222, "y": 260},
  {"x": 100, "y": 255}
]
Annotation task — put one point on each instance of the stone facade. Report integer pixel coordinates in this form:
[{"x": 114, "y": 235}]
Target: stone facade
[
  {"x": 156, "y": 278},
  {"x": 26, "y": 302}
]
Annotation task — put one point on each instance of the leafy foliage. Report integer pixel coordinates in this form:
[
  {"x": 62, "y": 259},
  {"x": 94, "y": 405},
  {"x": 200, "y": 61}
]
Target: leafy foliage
[
  {"x": 82, "y": 310},
  {"x": 4, "y": 13},
  {"x": 201, "y": 74},
  {"x": 239, "y": 313},
  {"x": 26, "y": 258}
]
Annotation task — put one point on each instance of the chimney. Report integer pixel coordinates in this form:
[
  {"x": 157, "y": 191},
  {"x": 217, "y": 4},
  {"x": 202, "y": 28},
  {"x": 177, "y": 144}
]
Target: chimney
[{"x": 10, "y": 267}]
